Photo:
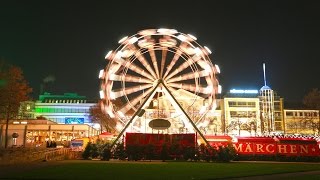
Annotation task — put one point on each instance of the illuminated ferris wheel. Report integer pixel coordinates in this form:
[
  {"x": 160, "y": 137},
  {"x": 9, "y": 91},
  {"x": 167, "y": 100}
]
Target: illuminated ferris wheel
[{"x": 156, "y": 63}]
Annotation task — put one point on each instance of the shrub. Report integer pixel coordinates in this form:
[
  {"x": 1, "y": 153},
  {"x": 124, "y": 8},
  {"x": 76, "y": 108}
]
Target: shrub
[
  {"x": 106, "y": 154},
  {"x": 120, "y": 152},
  {"x": 134, "y": 152},
  {"x": 149, "y": 151},
  {"x": 206, "y": 153},
  {"x": 164, "y": 155},
  {"x": 189, "y": 153},
  {"x": 87, "y": 151},
  {"x": 226, "y": 154},
  {"x": 94, "y": 151}
]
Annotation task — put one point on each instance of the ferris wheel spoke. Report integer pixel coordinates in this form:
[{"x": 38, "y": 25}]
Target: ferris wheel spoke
[
  {"x": 130, "y": 66},
  {"x": 190, "y": 75},
  {"x": 154, "y": 61},
  {"x": 108, "y": 109},
  {"x": 203, "y": 64},
  {"x": 128, "y": 90},
  {"x": 190, "y": 87},
  {"x": 163, "y": 59},
  {"x": 173, "y": 62},
  {"x": 114, "y": 68},
  {"x": 145, "y": 63},
  {"x": 107, "y": 85},
  {"x": 185, "y": 65},
  {"x": 140, "y": 71},
  {"x": 134, "y": 102},
  {"x": 209, "y": 81},
  {"x": 128, "y": 78}
]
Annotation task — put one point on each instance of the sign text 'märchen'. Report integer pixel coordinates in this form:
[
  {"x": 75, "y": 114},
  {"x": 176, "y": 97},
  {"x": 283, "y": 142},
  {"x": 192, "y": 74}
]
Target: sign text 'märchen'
[{"x": 272, "y": 148}]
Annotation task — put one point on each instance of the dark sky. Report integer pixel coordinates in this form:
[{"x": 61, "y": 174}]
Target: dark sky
[{"x": 69, "y": 39}]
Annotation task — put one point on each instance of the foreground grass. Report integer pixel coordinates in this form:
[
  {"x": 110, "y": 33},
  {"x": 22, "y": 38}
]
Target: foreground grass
[{"x": 157, "y": 170}]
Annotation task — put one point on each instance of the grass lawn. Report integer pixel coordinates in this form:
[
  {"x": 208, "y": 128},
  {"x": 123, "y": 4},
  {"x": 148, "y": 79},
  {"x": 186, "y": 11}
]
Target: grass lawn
[{"x": 82, "y": 169}]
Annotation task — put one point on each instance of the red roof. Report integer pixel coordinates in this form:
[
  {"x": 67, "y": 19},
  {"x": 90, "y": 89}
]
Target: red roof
[
  {"x": 106, "y": 134},
  {"x": 217, "y": 138}
]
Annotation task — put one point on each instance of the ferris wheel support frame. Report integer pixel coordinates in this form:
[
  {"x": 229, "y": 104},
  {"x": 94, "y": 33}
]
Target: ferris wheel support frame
[
  {"x": 187, "y": 116},
  {"x": 173, "y": 101},
  {"x": 136, "y": 114}
]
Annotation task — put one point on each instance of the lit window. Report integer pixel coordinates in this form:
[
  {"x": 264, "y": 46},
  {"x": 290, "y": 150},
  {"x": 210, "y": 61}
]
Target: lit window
[{"x": 155, "y": 103}]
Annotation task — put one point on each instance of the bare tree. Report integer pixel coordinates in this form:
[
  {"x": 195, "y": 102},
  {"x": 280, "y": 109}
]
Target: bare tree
[
  {"x": 294, "y": 125},
  {"x": 106, "y": 122},
  {"x": 312, "y": 99},
  {"x": 13, "y": 90},
  {"x": 310, "y": 122}
]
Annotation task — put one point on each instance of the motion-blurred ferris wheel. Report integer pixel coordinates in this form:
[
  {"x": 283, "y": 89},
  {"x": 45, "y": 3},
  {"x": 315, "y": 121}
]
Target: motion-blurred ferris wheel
[{"x": 156, "y": 63}]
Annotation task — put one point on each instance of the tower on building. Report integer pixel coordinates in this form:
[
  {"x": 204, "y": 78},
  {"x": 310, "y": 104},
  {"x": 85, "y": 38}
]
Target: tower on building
[{"x": 267, "y": 106}]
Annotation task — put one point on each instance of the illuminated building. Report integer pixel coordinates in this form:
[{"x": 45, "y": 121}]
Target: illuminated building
[
  {"x": 278, "y": 114},
  {"x": 271, "y": 107},
  {"x": 242, "y": 113},
  {"x": 267, "y": 109},
  {"x": 302, "y": 122},
  {"x": 58, "y": 118},
  {"x": 69, "y": 108},
  {"x": 271, "y": 111},
  {"x": 36, "y": 132}
]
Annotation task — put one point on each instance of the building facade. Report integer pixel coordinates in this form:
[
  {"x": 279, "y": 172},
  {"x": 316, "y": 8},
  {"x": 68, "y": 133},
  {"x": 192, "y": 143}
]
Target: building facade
[
  {"x": 302, "y": 122},
  {"x": 242, "y": 115},
  {"x": 271, "y": 107},
  {"x": 36, "y": 133},
  {"x": 69, "y": 108},
  {"x": 252, "y": 112},
  {"x": 238, "y": 113}
]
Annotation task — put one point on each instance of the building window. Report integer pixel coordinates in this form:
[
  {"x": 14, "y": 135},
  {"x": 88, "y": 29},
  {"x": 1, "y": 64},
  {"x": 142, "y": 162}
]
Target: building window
[
  {"x": 251, "y": 104},
  {"x": 278, "y": 126},
  {"x": 289, "y": 113},
  {"x": 155, "y": 103},
  {"x": 232, "y": 104}
]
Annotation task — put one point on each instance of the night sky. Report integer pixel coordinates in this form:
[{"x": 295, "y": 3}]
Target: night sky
[{"x": 69, "y": 39}]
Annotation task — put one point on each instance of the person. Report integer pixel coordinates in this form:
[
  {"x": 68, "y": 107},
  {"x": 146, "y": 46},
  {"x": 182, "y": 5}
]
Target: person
[{"x": 54, "y": 144}]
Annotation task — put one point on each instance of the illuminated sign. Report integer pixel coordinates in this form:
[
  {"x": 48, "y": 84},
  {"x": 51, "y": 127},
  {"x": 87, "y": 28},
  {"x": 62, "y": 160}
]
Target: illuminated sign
[
  {"x": 73, "y": 120},
  {"x": 270, "y": 146},
  {"x": 76, "y": 145},
  {"x": 242, "y": 91},
  {"x": 275, "y": 148}
]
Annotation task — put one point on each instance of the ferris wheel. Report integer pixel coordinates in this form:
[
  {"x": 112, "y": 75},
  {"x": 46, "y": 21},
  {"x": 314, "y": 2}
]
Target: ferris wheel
[{"x": 156, "y": 63}]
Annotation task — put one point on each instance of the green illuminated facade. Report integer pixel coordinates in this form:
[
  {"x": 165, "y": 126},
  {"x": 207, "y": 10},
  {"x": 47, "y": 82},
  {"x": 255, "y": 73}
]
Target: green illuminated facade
[{"x": 58, "y": 108}]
